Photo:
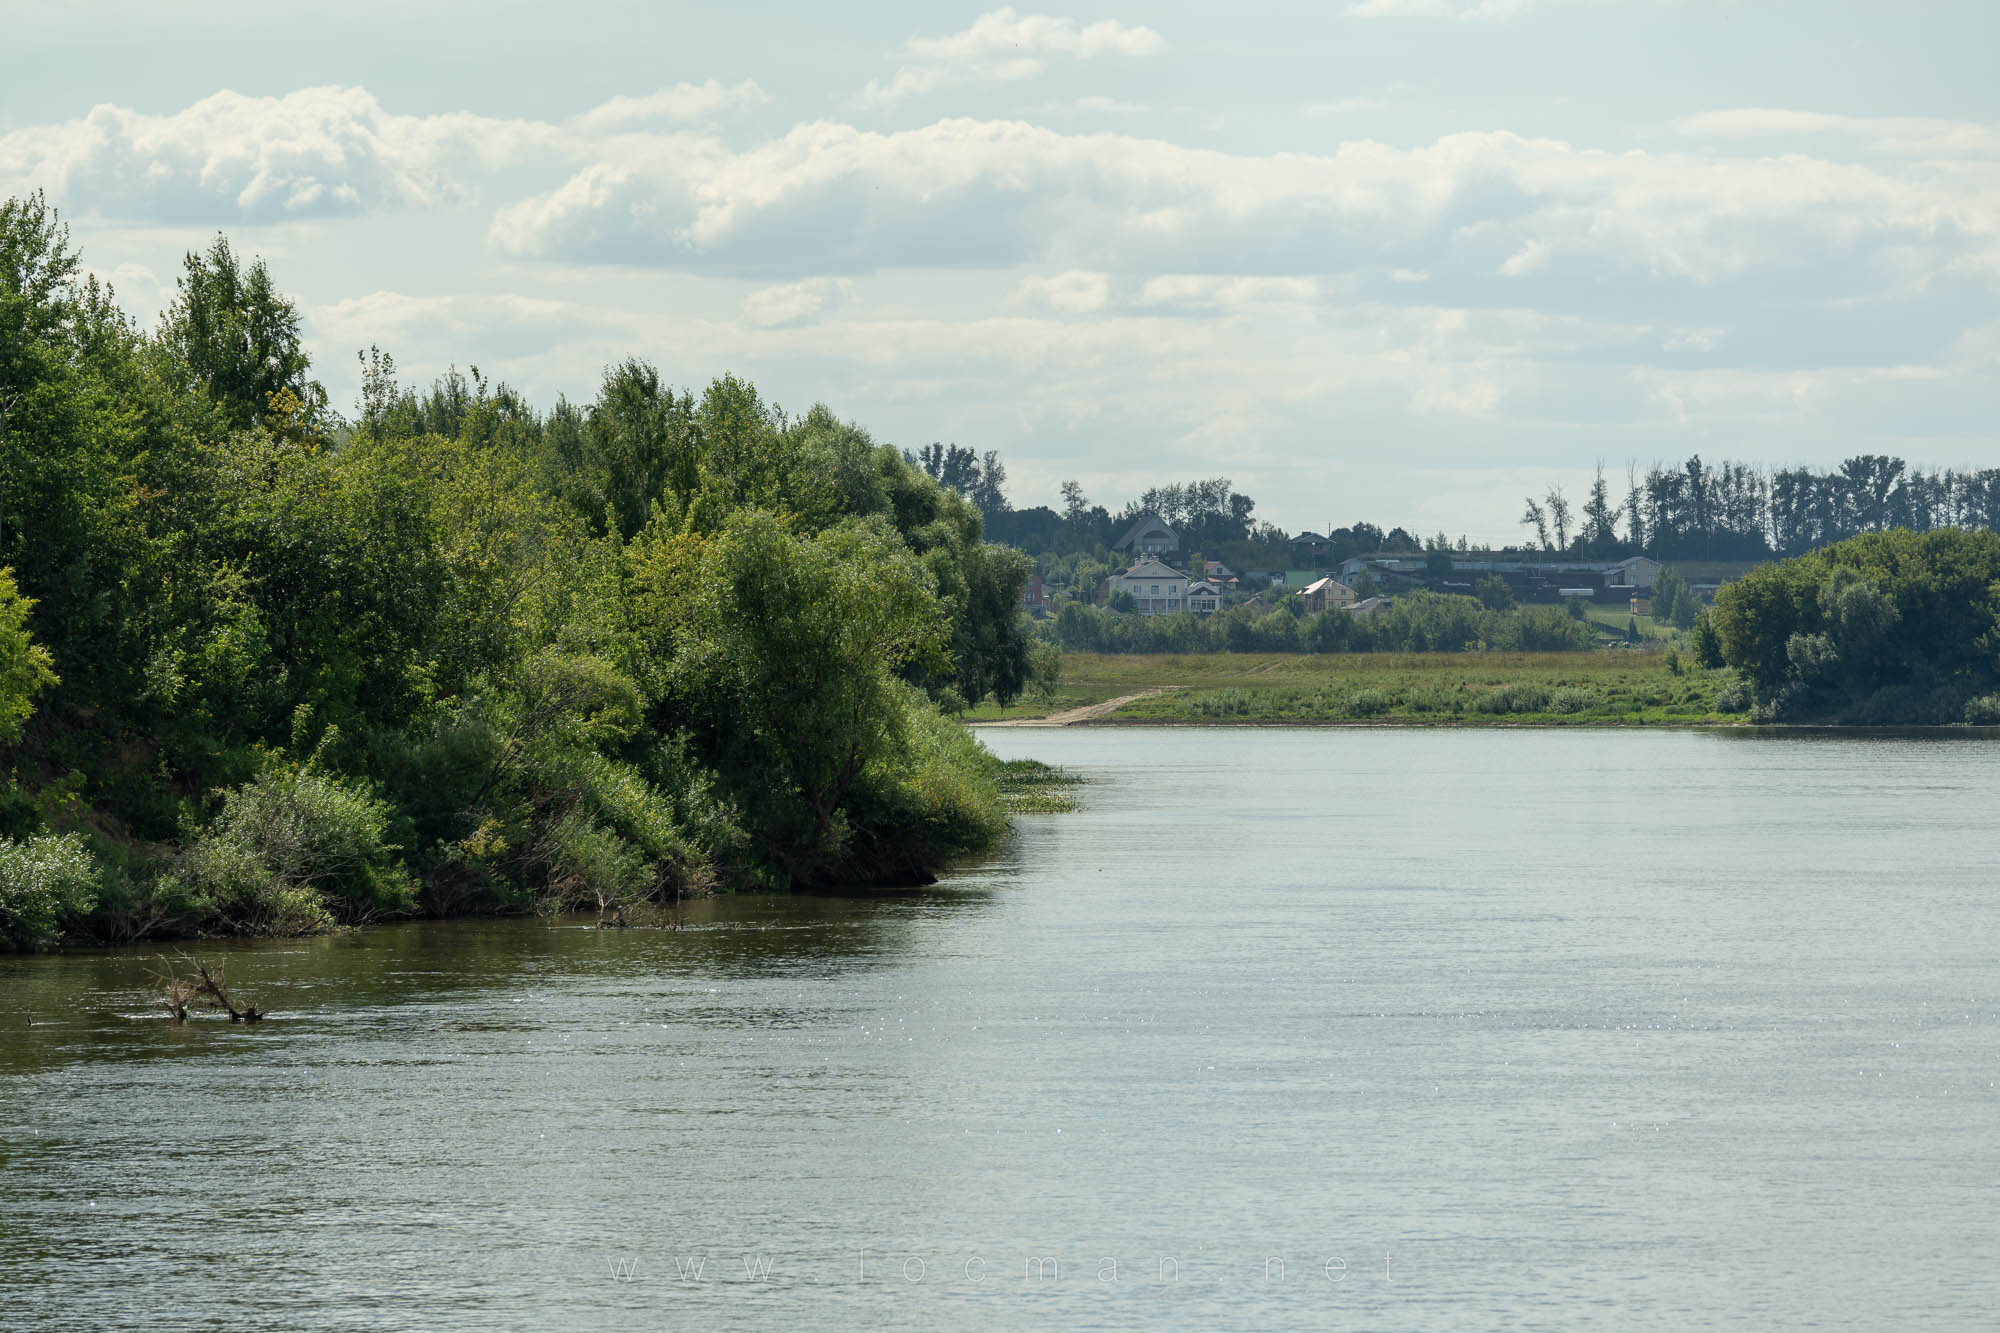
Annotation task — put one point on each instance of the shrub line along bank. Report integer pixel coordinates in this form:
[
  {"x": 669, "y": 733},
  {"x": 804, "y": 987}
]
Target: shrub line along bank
[{"x": 264, "y": 670}]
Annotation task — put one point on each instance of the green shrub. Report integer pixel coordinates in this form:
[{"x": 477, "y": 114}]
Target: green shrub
[
  {"x": 231, "y": 888},
  {"x": 1733, "y": 698},
  {"x": 1366, "y": 703},
  {"x": 295, "y": 852},
  {"x": 1569, "y": 699},
  {"x": 1514, "y": 698},
  {"x": 590, "y": 864},
  {"x": 46, "y": 882},
  {"x": 1983, "y": 711},
  {"x": 936, "y": 800}
]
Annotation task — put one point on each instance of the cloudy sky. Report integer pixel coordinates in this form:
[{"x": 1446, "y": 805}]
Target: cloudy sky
[{"x": 1390, "y": 259}]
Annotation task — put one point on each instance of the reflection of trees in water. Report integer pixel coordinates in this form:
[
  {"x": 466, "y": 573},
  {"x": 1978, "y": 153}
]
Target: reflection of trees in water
[{"x": 103, "y": 1005}]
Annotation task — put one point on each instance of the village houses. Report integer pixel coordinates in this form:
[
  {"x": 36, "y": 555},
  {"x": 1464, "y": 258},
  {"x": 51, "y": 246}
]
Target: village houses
[
  {"x": 1149, "y": 535},
  {"x": 1326, "y": 594},
  {"x": 1156, "y": 589}
]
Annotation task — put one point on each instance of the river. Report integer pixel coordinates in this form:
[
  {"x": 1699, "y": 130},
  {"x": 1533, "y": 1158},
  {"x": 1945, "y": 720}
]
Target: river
[{"x": 1282, "y": 1029}]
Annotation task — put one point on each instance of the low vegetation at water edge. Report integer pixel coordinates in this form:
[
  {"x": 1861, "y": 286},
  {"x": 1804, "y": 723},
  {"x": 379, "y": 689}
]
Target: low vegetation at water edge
[{"x": 1029, "y": 786}]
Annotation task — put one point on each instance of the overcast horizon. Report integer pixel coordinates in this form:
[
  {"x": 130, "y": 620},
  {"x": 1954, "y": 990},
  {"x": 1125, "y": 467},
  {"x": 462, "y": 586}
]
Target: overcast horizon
[{"x": 1394, "y": 260}]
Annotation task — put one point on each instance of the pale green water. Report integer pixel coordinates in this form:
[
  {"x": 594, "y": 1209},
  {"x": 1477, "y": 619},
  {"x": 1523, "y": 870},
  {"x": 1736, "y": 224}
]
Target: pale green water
[{"x": 1575, "y": 1028}]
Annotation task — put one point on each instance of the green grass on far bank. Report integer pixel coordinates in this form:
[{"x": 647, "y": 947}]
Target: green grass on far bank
[
  {"x": 1610, "y": 688},
  {"x": 1614, "y": 619}
]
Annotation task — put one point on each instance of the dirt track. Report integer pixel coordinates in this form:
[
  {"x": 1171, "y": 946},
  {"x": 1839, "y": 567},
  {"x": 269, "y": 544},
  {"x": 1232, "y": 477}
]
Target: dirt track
[{"x": 1071, "y": 716}]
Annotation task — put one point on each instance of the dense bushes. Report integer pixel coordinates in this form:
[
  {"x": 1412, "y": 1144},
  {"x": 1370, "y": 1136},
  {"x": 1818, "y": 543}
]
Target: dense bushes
[
  {"x": 457, "y": 655},
  {"x": 45, "y": 881},
  {"x": 1421, "y": 622},
  {"x": 289, "y": 851},
  {"x": 1890, "y": 627}
]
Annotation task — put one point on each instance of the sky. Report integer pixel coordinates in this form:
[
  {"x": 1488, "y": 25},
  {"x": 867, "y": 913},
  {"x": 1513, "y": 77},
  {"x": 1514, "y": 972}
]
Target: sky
[{"x": 1397, "y": 260}]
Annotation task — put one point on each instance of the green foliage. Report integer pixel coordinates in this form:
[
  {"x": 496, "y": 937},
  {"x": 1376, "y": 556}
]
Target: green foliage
[
  {"x": 24, "y": 665},
  {"x": 935, "y": 798},
  {"x": 1029, "y": 786},
  {"x": 1707, "y": 643},
  {"x": 652, "y": 644},
  {"x": 1983, "y": 711},
  {"x": 295, "y": 851},
  {"x": 1890, "y": 627},
  {"x": 786, "y": 657},
  {"x": 47, "y": 884},
  {"x": 237, "y": 340},
  {"x": 1514, "y": 698},
  {"x": 1570, "y": 699},
  {"x": 1493, "y": 593},
  {"x": 1674, "y": 603}
]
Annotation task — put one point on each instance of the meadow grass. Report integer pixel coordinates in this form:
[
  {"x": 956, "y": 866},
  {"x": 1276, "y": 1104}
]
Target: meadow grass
[{"x": 1614, "y": 687}]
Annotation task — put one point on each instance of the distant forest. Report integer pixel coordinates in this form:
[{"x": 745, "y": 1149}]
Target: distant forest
[{"x": 1691, "y": 511}]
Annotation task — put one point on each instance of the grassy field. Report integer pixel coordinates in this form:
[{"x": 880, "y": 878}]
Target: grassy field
[
  {"x": 1615, "y": 618},
  {"x": 1608, "y": 688}
]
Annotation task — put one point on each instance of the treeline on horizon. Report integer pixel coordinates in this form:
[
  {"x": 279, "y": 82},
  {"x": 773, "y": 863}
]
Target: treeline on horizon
[
  {"x": 1730, "y": 511},
  {"x": 263, "y": 670}
]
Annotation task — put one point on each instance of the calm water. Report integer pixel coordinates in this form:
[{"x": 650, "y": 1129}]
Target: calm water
[{"x": 1526, "y": 1029}]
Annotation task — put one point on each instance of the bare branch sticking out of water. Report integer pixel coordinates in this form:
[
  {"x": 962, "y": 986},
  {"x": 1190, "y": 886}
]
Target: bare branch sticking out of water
[{"x": 206, "y": 987}]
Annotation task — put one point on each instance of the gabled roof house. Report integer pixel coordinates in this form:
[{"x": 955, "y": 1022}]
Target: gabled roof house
[{"x": 1149, "y": 535}]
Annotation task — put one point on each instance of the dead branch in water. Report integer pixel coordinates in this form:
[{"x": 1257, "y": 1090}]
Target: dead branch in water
[{"x": 206, "y": 987}]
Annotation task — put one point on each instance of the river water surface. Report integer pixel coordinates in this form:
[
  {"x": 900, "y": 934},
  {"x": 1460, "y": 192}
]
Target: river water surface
[{"x": 1282, "y": 1029}]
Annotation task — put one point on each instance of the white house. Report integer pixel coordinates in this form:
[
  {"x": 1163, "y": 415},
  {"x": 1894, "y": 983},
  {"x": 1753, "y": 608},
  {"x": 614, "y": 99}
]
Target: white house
[
  {"x": 1203, "y": 597},
  {"x": 1156, "y": 589},
  {"x": 1326, "y": 593},
  {"x": 1149, "y": 535}
]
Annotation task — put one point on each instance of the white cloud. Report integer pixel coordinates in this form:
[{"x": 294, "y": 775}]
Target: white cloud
[
  {"x": 1471, "y": 9},
  {"x": 1343, "y": 106},
  {"x": 628, "y": 187},
  {"x": 1530, "y": 258},
  {"x": 139, "y": 290},
  {"x": 682, "y": 102},
  {"x": 316, "y": 153},
  {"x": 831, "y": 197},
  {"x": 1694, "y": 340},
  {"x": 1072, "y": 293},
  {"x": 1462, "y": 9},
  {"x": 1459, "y": 295},
  {"x": 1768, "y": 397},
  {"x": 794, "y": 304},
  {"x": 312, "y": 153},
  {"x": 1002, "y": 47},
  {"x": 1915, "y": 136},
  {"x": 484, "y": 328},
  {"x": 1213, "y": 292},
  {"x": 1093, "y": 105}
]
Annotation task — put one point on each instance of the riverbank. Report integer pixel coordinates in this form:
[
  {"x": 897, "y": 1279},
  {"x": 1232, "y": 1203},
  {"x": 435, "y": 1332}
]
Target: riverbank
[{"x": 1611, "y": 688}]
